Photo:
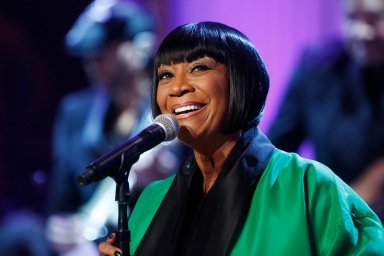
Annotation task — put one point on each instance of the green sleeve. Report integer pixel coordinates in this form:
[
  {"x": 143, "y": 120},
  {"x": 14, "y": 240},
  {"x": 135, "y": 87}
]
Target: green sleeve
[
  {"x": 341, "y": 221},
  {"x": 301, "y": 208},
  {"x": 145, "y": 209}
]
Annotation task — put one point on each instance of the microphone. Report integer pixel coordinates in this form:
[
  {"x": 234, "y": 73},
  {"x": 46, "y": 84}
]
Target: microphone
[{"x": 164, "y": 128}]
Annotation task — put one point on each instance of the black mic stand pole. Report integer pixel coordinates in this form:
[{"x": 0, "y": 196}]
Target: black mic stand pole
[{"x": 123, "y": 198}]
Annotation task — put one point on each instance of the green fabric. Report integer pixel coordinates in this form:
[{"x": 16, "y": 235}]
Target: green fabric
[
  {"x": 145, "y": 208},
  {"x": 299, "y": 208}
]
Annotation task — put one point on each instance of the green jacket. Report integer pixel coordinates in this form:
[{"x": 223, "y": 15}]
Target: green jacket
[{"x": 299, "y": 207}]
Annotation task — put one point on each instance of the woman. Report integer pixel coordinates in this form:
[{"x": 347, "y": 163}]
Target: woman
[{"x": 237, "y": 194}]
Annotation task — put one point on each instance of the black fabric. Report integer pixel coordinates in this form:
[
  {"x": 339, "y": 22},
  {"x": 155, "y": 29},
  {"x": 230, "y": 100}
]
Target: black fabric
[
  {"x": 195, "y": 203},
  {"x": 210, "y": 223}
]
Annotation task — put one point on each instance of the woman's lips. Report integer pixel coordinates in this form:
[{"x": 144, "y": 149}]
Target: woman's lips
[{"x": 186, "y": 110}]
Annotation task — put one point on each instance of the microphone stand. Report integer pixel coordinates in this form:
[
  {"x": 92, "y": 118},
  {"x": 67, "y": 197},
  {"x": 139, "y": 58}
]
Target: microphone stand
[{"x": 123, "y": 198}]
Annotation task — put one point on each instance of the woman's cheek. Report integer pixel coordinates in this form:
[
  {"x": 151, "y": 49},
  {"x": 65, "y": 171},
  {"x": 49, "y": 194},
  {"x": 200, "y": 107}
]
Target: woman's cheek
[{"x": 160, "y": 101}]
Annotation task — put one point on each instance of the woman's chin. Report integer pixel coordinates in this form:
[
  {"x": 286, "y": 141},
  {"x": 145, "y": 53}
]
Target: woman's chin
[{"x": 187, "y": 136}]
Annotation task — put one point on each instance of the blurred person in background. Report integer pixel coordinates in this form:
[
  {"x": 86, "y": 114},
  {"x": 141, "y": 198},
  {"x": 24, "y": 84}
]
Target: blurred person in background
[
  {"x": 115, "y": 41},
  {"x": 335, "y": 100}
]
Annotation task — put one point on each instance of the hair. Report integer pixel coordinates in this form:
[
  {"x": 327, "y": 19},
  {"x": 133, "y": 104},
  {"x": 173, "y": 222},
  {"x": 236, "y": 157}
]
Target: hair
[{"x": 248, "y": 77}]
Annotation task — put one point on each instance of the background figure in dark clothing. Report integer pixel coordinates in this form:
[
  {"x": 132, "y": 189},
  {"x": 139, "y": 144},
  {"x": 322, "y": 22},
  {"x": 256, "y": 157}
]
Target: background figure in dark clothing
[
  {"x": 335, "y": 100},
  {"x": 115, "y": 41}
]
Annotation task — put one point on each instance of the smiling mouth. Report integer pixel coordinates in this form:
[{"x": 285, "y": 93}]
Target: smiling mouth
[{"x": 187, "y": 109}]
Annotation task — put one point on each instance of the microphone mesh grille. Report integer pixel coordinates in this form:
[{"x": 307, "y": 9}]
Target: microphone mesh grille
[{"x": 169, "y": 125}]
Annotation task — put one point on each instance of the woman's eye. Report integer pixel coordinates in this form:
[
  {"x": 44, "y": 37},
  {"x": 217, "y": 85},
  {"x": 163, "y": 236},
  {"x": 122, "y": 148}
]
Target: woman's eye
[
  {"x": 199, "y": 67},
  {"x": 165, "y": 75}
]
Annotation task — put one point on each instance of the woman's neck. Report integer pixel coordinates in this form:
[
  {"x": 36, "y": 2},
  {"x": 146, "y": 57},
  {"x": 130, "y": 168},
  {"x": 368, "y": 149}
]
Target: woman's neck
[{"x": 211, "y": 161}]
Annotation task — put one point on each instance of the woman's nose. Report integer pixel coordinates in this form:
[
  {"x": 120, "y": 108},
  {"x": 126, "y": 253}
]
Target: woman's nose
[{"x": 180, "y": 86}]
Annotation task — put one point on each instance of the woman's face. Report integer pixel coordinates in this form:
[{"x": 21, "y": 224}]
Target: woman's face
[{"x": 196, "y": 93}]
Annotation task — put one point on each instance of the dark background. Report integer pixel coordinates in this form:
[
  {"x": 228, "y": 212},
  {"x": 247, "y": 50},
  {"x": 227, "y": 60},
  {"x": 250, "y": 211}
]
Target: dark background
[{"x": 35, "y": 72}]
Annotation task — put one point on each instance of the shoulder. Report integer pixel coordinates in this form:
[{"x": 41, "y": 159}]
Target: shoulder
[
  {"x": 337, "y": 216},
  {"x": 315, "y": 177},
  {"x": 287, "y": 164},
  {"x": 325, "y": 55},
  {"x": 318, "y": 184}
]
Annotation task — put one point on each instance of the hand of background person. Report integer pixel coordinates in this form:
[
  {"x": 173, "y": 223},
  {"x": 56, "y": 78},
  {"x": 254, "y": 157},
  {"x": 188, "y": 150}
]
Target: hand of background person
[
  {"x": 370, "y": 185},
  {"x": 107, "y": 249}
]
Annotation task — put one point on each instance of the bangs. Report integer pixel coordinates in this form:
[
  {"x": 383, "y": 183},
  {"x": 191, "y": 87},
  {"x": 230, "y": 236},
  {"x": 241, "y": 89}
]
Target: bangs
[{"x": 188, "y": 44}]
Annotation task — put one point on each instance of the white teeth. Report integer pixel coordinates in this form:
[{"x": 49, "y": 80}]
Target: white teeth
[{"x": 186, "y": 108}]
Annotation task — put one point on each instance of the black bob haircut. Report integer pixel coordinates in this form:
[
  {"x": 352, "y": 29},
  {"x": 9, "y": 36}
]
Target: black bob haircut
[{"x": 248, "y": 77}]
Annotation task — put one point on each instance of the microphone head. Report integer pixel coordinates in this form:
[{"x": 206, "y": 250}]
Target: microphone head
[{"x": 169, "y": 125}]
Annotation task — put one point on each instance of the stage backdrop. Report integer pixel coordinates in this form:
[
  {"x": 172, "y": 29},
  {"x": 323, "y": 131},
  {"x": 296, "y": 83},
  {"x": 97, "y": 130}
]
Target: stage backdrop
[{"x": 278, "y": 28}]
